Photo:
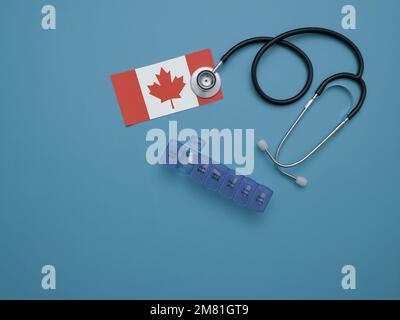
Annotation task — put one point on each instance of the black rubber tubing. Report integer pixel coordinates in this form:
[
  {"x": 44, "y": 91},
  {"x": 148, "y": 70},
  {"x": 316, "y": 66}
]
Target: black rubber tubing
[{"x": 280, "y": 40}]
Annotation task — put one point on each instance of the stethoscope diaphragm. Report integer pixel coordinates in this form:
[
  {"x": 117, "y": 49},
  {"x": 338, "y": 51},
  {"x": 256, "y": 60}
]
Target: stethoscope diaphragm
[{"x": 205, "y": 83}]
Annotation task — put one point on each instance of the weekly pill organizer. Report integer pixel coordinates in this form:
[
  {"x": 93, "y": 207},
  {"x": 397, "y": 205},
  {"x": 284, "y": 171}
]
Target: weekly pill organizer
[{"x": 216, "y": 177}]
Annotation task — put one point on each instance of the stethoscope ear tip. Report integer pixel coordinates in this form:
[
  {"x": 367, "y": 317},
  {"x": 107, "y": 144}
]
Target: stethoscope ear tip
[
  {"x": 262, "y": 145},
  {"x": 301, "y": 181}
]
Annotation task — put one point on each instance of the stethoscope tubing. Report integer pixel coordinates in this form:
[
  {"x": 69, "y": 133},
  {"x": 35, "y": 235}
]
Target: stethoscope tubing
[
  {"x": 268, "y": 42},
  {"x": 281, "y": 40}
]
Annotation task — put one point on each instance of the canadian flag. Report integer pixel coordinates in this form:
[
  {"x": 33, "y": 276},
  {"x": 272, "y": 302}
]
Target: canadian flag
[{"x": 160, "y": 89}]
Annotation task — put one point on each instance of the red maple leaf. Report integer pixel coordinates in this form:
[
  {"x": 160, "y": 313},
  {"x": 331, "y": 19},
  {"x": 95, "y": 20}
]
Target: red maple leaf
[{"x": 166, "y": 89}]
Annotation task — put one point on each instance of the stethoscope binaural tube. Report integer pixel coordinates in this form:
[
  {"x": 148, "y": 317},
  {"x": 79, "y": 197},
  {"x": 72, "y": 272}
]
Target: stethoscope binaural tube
[
  {"x": 263, "y": 145},
  {"x": 280, "y": 40}
]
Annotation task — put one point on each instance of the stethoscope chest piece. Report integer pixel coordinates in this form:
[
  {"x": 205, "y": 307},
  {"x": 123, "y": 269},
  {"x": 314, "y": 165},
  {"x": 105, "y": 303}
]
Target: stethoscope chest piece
[{"x": 205, "y": 83}]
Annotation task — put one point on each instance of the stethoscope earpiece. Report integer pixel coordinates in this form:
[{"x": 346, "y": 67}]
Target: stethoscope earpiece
[
  {"x": 262, "y": 145},
  {"x": 300, "y": 181}
]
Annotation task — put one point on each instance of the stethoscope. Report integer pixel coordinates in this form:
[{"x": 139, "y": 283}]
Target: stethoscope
[{"x": 206, "y": 83}]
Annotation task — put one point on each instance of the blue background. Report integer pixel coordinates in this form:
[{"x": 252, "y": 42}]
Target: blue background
[{"x": 76, "y": 190}]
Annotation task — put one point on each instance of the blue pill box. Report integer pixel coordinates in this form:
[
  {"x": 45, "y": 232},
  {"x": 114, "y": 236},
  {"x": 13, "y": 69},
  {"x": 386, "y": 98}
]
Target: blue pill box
[{"x": 217, "y": 177}]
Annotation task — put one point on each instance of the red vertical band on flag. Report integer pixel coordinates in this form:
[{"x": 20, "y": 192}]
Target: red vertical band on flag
[
  {"x": 130, "y": 98},
  {"x": 200, "y": 59}
]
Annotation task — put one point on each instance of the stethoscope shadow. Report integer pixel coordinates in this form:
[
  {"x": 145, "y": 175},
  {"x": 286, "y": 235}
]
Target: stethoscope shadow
[{"x": 344, "y": 89}]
